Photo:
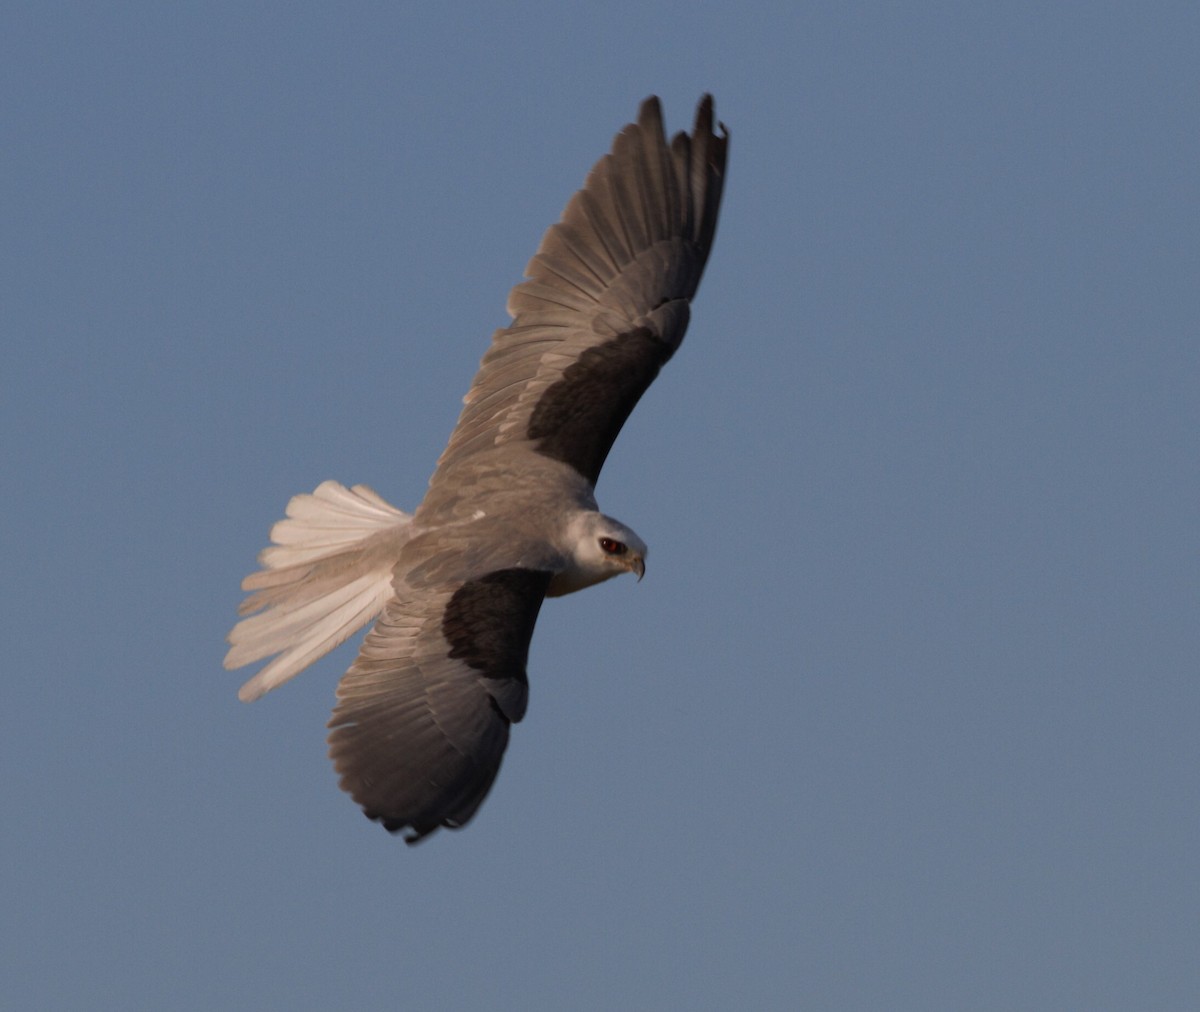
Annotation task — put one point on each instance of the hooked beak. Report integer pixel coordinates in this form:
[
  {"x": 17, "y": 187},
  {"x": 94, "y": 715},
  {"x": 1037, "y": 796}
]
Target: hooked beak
[{"x": 637, "y": 565}]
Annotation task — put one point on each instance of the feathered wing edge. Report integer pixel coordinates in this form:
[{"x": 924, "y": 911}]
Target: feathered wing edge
[
  {"x": 647, "y": 201},
  {"x": 625, "y": 258},
  {"x": 326, "y": 576},
  {"x": 423, "y": 714}
]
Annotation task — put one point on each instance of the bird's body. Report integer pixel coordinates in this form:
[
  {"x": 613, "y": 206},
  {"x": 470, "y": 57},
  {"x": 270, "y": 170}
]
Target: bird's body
[{"x": 510, "y": 516}]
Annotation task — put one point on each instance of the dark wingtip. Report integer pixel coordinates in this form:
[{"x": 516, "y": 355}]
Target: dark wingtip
[
  {"x": 704, "y": 119},
  {"x": 650, "y": 114},
  {"x": 397, "y": 827},
  {"x": 650, "y": 109}
]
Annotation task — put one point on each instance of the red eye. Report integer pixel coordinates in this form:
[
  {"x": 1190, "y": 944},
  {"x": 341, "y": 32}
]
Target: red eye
[{"x": 612, "y": 546}]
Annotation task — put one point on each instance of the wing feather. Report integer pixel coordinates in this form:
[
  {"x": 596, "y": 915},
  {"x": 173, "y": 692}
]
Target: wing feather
[
  {"x": 423, "y": 714},
  {"x": 635, "y": 239}
]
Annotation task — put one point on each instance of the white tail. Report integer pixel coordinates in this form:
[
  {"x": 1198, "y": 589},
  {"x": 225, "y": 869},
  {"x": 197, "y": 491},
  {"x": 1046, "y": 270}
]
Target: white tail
[{"x": 328, "y": 573}]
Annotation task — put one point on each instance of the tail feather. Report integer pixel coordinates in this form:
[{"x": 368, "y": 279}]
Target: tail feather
[
  {"x": 326, "y": 576},
  {"x": 332, "y": 517}
]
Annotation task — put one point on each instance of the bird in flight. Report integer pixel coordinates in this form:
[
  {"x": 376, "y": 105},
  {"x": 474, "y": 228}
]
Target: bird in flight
[{"x": 510, "y": 517}]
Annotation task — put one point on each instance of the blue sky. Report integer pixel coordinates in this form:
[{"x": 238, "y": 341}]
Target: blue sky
[{"x": 904, "y": 713}]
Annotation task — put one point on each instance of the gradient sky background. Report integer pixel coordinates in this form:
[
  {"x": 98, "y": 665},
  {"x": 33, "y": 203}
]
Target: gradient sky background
[{"x": 904, "y": 714}]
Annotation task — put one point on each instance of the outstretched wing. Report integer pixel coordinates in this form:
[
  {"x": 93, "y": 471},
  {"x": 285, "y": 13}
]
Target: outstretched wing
[
  {"x": 423, "y": 714},
  {"x": 605, "y": 304}
]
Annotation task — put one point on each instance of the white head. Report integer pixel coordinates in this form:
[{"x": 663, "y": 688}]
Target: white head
[{"x": 599, "y": 548}]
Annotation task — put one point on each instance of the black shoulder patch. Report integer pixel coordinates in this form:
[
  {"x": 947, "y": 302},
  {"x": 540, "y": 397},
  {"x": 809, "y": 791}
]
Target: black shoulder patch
[
  {"x": 488, "y": 622},
  {"x": 578, "y": 418}
]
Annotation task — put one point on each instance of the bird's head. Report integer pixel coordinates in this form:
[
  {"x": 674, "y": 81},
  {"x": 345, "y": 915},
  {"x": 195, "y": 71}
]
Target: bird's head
[{"x": 599, "y": 548}]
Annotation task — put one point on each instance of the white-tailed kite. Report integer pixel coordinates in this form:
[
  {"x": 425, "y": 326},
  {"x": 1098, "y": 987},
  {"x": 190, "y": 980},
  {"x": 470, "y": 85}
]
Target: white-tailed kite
[{"x": 510, "y": 518}]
